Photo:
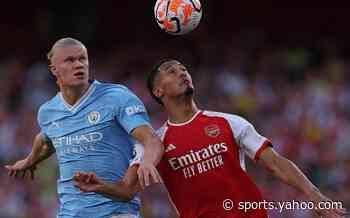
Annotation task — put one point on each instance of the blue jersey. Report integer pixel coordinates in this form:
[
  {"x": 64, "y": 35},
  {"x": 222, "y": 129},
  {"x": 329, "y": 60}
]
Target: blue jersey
[{"x": 93, "y": 136}]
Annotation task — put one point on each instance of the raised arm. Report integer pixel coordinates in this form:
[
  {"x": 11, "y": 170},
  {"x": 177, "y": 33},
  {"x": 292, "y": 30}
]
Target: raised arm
[
  {"x": 154, "y": 150},
  {"x": 259, "y": 148},
  {"x": 290, "y": 174},
  {"x": 41, "y": 150}
]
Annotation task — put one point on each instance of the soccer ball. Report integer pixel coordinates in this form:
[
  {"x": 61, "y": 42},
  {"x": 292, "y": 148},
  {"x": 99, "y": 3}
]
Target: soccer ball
[{"x": 178, "y": 17}]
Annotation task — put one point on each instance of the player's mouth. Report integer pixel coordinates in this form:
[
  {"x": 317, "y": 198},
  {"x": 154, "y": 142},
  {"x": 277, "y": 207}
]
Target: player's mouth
[{"x": 79, "y": 74}]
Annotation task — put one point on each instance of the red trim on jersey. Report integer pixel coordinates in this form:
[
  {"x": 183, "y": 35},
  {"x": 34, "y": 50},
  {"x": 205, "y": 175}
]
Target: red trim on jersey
[{"x": 266, "y": 144}]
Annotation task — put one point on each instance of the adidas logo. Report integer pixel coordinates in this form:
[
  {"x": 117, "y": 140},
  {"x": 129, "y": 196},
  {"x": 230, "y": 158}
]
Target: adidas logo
[{"x": 170, "y": 147}]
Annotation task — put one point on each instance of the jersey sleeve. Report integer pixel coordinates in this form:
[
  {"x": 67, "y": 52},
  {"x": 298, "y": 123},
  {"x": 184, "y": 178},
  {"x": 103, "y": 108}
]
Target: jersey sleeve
[
  {"x": 130, "y": 112},
  {"x": 161, "y": 132},
  {"x": 40, "y": 119},
  {"x": 162, "y": 165},
  {"x": 138, "y": 153},
  {"x": 248, "y": 138}
]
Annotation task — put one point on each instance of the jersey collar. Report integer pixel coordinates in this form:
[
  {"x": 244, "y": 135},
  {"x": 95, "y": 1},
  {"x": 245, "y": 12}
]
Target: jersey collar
[
  {"x": 184, "y": 123},
  {"x": 81, "y": 100}
]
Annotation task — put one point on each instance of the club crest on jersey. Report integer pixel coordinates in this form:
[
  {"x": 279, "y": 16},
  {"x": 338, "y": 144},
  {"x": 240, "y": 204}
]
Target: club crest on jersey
[
  {"x": 94, "y": 117},
  {"x": 212, "y": 130}
]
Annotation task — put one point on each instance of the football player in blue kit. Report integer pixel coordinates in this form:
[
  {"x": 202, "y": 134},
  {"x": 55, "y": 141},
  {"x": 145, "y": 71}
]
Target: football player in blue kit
[{"x": 92, "y": 127}]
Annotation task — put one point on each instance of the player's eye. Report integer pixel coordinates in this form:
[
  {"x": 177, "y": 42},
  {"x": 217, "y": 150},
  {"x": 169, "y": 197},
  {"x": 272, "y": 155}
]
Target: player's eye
[
  {"x": 70, "y": 59},
  {"x": 82, "y": 58}
]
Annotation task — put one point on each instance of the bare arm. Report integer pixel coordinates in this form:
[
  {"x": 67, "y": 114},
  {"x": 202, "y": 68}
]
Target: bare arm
[
  {"x": 127, "y": 188},
  {"x": 286, "y": 171},
  {"x": 42, "y": 149},
  {"x": 152, "y": 155},
  {"x": 129, "y": 185},
  {"x": 289, "y": 173},
  {"x": 152, "y": 143},
  {"x": 123, "y": 190}
]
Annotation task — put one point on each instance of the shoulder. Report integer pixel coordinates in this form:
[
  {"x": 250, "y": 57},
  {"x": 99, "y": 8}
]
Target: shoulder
[
  {"x": 227, "y": 116},
  {"x": 113, "y": 90},
  {"x": 235, "y": 121},
  {"x": 45, "y": 110},
  {"x": 111, "y": 87}
]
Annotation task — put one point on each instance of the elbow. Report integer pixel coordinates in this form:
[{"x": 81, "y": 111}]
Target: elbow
[{"x": 48, "y": 148}]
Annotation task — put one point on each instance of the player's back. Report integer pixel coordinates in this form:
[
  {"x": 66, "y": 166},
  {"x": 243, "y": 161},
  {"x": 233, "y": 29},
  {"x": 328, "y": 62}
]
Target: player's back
[
  {"x": 91, "y": 136},
  {"x": 203, "y": 165}
]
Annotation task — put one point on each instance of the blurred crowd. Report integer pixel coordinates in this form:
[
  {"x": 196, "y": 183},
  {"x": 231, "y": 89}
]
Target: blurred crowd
[{"x": 296, "y": 95}]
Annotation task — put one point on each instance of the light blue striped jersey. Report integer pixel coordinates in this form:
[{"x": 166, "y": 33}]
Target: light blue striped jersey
[{"x": 93, "y": 136}]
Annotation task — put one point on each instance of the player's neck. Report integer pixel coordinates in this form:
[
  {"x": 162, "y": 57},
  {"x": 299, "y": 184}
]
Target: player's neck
[
  {"x": 180, "y": 113},
  {"x": 72, "y": 94}
]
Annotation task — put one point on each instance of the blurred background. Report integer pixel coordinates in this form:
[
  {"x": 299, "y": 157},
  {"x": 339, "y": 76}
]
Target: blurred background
[{"x": 284, "y": 68}]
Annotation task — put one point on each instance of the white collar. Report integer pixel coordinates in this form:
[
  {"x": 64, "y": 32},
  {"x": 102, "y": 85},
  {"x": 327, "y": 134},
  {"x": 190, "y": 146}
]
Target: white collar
[
  {"x": 81, "y": 100},
  {"x": 184, "y": 123}
]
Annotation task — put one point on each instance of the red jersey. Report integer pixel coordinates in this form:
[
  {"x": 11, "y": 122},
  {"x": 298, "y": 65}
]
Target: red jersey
[{"x": 203, "y": 164}]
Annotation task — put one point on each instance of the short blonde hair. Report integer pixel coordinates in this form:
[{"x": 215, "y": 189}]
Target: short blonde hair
[{"x": 60, "y": 43}]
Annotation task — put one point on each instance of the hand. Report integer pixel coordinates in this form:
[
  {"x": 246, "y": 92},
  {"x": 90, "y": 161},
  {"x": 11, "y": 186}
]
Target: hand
[
  {"x": 21, "y": 167},
  {"x": 148, "y": 174},
  {"x": 329, "y": 213},
  {"x": 87, "y": 182}
]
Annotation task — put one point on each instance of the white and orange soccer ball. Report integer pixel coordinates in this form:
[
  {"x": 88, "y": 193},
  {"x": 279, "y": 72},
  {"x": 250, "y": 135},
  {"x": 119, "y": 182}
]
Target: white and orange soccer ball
[{"x": 178, "y": 17}]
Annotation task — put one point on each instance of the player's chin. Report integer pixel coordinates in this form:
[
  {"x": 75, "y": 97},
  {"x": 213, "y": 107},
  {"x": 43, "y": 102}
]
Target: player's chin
[
  {"x": 189, "y": 91},
  {"x": 78, "y": 81}
]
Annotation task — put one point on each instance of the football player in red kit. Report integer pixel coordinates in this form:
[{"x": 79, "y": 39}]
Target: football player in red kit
[{"x": 203, "y": 164}]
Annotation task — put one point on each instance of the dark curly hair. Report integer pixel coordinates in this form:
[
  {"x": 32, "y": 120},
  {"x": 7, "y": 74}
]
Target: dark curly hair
[{"x": 153, "y": 75}]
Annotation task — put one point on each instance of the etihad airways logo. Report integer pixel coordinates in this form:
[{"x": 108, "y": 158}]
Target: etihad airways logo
[
  {"x": 196, "y": 156},
  {"x": 78, "y": 139}
]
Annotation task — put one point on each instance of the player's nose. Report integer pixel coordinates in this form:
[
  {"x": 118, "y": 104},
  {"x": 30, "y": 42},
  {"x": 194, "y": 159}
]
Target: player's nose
[
  {"x": 185, "y": 75},
  {"x": 78, "y": 64}
]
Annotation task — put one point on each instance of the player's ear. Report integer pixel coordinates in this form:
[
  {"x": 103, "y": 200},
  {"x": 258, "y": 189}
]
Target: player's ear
[
  {"x": 158, "y": 92},
  {"x": 52, "y": 68}
]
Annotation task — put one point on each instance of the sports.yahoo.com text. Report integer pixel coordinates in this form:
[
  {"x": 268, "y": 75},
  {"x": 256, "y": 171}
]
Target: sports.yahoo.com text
[{"x": 228, "y": 204}]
